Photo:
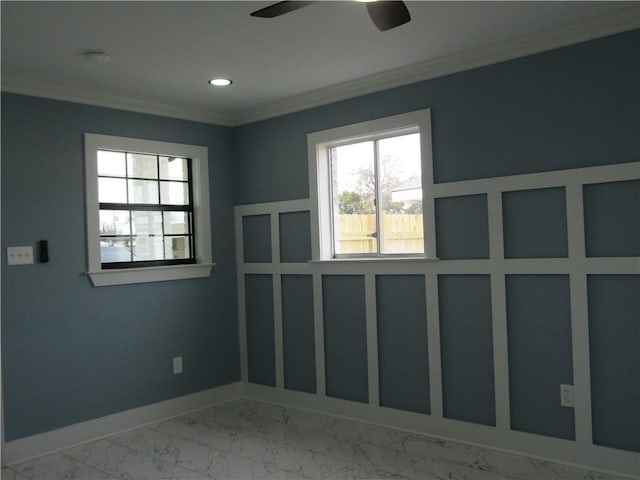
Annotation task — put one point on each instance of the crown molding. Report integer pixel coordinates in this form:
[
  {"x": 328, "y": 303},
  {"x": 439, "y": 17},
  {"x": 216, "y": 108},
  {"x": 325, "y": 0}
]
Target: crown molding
[
  {"x": 623, "y": 20},
  {"x": 617, "y": 22},
  {"x": 25, "y": 86}
]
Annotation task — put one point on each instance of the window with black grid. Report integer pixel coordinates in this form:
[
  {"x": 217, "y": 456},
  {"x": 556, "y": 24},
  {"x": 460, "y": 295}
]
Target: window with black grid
[{"x": 145, "y": 209}]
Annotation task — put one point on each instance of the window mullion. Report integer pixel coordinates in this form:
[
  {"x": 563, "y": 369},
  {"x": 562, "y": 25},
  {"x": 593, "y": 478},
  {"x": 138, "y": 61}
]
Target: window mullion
[
  {"x": 190, "y": 219},
  {"x": 145, "y": 206},
  {"x": 158, "y": 179},
  {"x": 164, "y": 249},
  {"x": 131, "y": 233},
  {"x": 331, "y": 154},
  {"x": 126, "y": 175},
  {"x": 129, "y": 208},
  {"x": 376, "y": 174}
]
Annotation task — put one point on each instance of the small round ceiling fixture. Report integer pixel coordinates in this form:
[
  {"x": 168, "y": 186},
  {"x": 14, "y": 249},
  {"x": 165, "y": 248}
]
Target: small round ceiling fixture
[
  {"x": 97, "y": 56},
  {"x": 220, "y": 82}
]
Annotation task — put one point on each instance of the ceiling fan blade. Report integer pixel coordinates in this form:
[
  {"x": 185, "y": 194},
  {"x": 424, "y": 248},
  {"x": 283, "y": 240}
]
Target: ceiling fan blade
[
  {"x": 388, "y": 15},
  {"x": 278, "y": 9}
]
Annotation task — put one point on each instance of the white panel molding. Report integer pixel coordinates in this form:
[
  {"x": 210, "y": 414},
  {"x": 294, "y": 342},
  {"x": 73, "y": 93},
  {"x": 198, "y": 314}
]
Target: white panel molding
[
  {"x": 602, "y": 265},
  {"x": 275, "y": 237},
  {"x": 433, "y": 345},
  {"x": 579, "y": 317},
  {"x": 529, "y": 181},
  {"x": 273, "y": 207},
  {"x": 278, "y": 340},
  {"x": 499, "y": 312},
  {"x": 15, "y": 451},
  {"x": 284, "y": 268},
  {"x": 371, "y": 318},
  {"x": 581, "y": 452},
  {"x": 242, "y": 309},
  {"x": 318, "y": 322},
  {"x": 580, "y": 358},
  {"x": 500, "y": 352},
  {"x": 558, "y": 450}
]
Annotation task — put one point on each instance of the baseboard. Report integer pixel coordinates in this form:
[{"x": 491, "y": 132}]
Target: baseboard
[
  {"x": 567, "y": 452},
  {"x": 594, "y": 457},
  {"x": 62, "y": 438}
]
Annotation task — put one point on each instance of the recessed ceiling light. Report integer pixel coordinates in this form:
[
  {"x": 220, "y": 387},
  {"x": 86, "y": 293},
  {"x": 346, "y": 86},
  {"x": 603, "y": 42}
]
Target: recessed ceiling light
[
  {"x": 220, "y": 82},
  {"x": 97, "y": 56}
]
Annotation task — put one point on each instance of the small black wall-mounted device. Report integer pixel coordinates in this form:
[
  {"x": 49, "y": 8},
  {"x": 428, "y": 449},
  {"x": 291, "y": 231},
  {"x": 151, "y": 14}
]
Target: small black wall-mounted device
[{"x": 44, "y": 251}]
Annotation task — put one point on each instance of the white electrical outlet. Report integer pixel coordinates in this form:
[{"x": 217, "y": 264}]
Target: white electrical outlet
[
  {"x": 177, "y": 365},
  {"x": 19, "y": 255},
  {"x": 566, "y": 396}
]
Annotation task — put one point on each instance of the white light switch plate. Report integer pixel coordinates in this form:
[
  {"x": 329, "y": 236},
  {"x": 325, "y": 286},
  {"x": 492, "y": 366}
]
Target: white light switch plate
[
  {"x": 19, "y": 255},
  {"x": 177, "y": 365}
]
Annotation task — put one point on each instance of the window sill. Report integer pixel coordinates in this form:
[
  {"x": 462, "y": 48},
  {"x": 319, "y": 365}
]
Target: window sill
[
  {"x": 375, "y": 260},
  {"x": 104, "y": 278}
]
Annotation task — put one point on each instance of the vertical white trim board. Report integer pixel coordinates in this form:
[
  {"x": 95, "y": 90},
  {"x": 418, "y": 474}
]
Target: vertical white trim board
[
  {"x": 278, "y": 338},
  {"x": 242, "y": 314},
  {"x": 372, "y": 339},
  {"x": 579, "y": 315},
  {"x": 433, "y": 345},
  {"x": 318, "y": 323}
]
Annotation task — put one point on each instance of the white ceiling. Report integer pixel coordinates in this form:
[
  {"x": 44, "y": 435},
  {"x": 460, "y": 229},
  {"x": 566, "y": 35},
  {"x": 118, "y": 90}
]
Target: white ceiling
[{"x": 163, "y": 53}]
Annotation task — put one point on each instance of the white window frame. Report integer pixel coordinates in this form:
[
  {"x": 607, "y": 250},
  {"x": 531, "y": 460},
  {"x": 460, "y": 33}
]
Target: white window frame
[
  {"x": 201, "y": 215},
  {"x": 319, "y": 145}
]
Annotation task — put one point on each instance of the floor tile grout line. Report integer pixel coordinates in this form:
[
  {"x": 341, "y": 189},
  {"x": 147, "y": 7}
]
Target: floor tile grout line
[
  {"x": 162, "y": 460},
  {"x": 88, "y": 465},
  {"x": 20, "y": 474},
  {"x": 298, "y": 448},
  {"x": 217, "y": 450},
  {"x": 211, "y": 423},
  {"x": 294, "y": 448},
  {"x": 342, "y": 437}
]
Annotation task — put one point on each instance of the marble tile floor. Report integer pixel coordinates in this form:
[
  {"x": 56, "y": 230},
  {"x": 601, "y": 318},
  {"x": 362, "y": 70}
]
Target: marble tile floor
[{"x": 250, "y": 440}]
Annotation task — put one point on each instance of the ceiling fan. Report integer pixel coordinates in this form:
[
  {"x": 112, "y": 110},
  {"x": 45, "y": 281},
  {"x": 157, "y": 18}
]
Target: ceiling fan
[{"x": 385, "y": 15}]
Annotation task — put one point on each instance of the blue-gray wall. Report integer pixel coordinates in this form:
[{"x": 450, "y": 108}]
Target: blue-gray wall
[
  {"x": 256, "y": 238},
  {"x": 466, "y": 346},
  {"x": 261, "y": 355},
  {"x": 70, "y": 351},
  {"x": 540, "y": 353},
  {"x": 535, "y": 223},
  {"x": 462, "y": 228},
  {"x": 614, "y": 336},
  {"x": 298, "y": 333},
  {"x": 612, "y": 231},
  {"x": 73, "y": 352},
  {"x": 572, "y": 107},
  {"x": 345, "y": 337},
  {"x": 403, "y": 357}
]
